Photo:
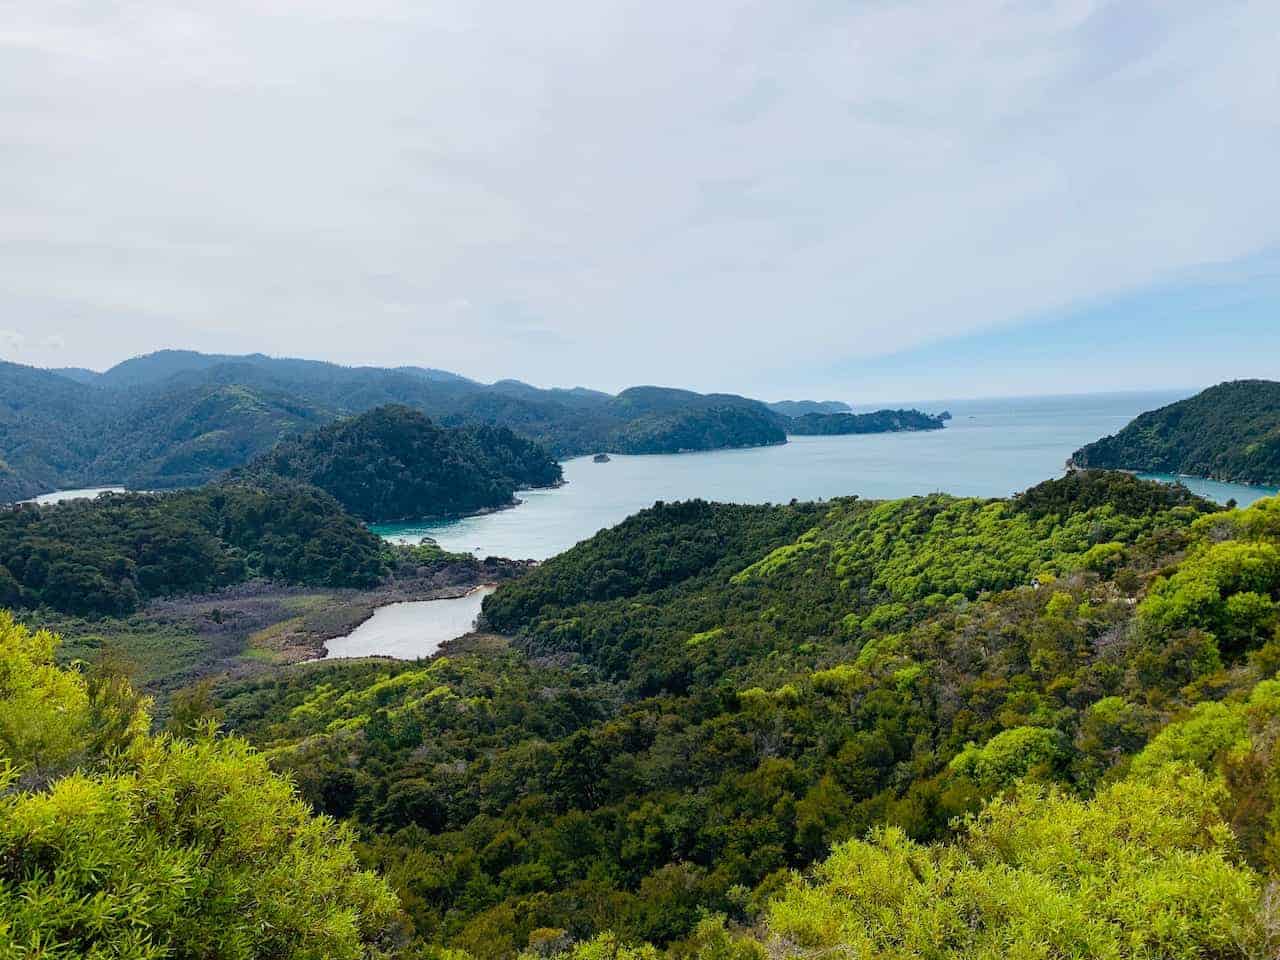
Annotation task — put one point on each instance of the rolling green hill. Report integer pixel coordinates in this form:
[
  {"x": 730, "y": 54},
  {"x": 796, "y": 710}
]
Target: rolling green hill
[
  {"x": 393, "y": 464},
  {"x": 935, "y": 727},
  {"x": 705, "y": 703},
  {"x": 106, "y": 556},
  {"x": 50, "y": 426},
  {"x": 179, "y": 418},
  {"x": 1228, "y": 432},
  {"x": 882, "y": 421}
]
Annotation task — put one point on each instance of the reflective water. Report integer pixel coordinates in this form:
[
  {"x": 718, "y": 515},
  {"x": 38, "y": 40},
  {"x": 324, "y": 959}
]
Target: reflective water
[
  {"x": 58, "y": 496},
  {"x": 990, "y": 448},
  {"x": 410, "y": 630}
]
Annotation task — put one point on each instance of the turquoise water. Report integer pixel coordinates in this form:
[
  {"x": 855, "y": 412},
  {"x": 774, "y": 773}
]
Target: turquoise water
[
  {"x": 1214, "y": 490},
  {"x": 990, "y": 448}
]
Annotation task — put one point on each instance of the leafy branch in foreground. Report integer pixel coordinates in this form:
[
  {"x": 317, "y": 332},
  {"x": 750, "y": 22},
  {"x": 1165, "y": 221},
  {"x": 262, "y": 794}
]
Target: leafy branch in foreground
[{"x": 148, "y": 847}]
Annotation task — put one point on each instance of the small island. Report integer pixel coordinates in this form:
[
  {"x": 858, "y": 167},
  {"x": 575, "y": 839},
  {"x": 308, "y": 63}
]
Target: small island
[{"x": 600, "y": 458}]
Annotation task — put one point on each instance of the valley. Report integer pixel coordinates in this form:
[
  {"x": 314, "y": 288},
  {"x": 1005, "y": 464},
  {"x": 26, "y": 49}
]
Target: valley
[
  {"x": 682, "y": 728},
  {"x": 633, "y": 481}
]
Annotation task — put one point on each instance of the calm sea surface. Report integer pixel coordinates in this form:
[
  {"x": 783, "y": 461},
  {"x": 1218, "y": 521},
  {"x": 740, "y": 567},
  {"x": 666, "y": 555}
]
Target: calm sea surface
[
  {"x": 59, "y": 496},
  {"x": 990, "y": 448}
]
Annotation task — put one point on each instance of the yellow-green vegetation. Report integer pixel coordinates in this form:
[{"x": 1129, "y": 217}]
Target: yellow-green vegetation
[
  {"x": 116, "y": 843},
  {"x": 1224, "y": 586},
  {"x": 941, "y": 546},
  {"x": 673, "y": 739},
  {"x": 1144, "y": 869},
  {"x": 936, "y": 728}
]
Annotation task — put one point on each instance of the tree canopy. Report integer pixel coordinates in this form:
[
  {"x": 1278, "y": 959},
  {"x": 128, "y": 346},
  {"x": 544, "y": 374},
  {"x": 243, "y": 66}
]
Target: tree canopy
[
  {"x": 704, "y": 704},
  {"x": 117, "y": 844},
  {"x": 393, "y": 464},
  {"x": 1228, "y": 432},
  {"x": 108, "y": 555}
]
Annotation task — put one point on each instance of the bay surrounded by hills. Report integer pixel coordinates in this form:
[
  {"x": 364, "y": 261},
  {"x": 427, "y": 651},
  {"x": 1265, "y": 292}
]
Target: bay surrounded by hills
[{"x": 990, "y": 448}]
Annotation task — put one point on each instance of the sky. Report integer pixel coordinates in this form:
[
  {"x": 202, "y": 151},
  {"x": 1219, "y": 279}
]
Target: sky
[{"x": 864, "y": 199}]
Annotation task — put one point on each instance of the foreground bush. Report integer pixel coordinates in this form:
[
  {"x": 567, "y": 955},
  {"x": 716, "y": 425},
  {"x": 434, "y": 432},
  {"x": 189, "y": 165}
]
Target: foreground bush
[
  {"x": 134, "y": 846},
  {"x": 1146, "y": 869}
]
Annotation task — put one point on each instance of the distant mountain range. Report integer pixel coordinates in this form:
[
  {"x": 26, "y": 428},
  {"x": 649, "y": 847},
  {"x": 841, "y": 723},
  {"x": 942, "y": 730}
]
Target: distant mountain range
[
  {"x": 179, "y": 418},
  {"x": 799, "y": 408},
  {"x": 155, "y": 367},
  {"x": 1229, "y": 432}
]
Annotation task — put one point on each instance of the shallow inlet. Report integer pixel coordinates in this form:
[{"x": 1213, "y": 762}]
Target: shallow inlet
[
  {"x": 58, "y": 496},
  {"x": 410, "y": 630}
]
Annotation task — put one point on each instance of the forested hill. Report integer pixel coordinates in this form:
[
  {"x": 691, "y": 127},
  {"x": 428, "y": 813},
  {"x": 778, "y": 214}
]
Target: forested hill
[
  {"x": 106, "y": 556},
  {"x": 707, "y": 698},
  {"x": 180, "y": 418},
  {"x": 49, "y": 427},
  {"x": 881, "y": 421},
  {"x": 798, "y": 408},
  {"x": 1228, "y": 432},
  {"x": 937, "y": 727},
  {"x": 394, "y": 464}
]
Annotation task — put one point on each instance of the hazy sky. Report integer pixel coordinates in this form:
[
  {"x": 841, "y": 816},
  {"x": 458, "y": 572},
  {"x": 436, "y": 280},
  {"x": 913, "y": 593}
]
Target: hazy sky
[{"x": 868, "y": 200}]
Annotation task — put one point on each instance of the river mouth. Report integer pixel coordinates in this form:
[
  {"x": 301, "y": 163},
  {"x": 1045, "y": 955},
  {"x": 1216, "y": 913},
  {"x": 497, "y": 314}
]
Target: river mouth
[{"x": 411, "y": 629}]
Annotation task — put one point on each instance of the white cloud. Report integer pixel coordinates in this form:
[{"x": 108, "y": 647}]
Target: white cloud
[{"x": 693, "y": 194}]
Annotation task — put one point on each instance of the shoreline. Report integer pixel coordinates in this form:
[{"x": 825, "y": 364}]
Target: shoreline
[
  {"x": 254, "y": 628},
  {"x": 452, "y": 517},
  {"x": 444, "y": 593},
  {"x": 1071, "y": 465},
  {"x": 320, "y": 640}
]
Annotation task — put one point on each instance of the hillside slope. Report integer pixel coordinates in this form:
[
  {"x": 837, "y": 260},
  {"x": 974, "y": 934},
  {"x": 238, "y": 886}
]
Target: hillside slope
[
  {"x": 708, "y": 697},
  {"x": 106, "y": 556},
  {"x": 1228, "y": 432},
  {"x": 393, "y": 464},
  {"x": 798, "y": 408},
  {"x": 178, "y": 418},
  {"x": 50, "y": 428}
]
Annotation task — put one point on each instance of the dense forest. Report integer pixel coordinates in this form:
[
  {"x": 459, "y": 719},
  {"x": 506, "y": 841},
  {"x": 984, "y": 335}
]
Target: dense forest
[
  {"x": 882, "y": 421},
  {"x": 711, "y": 428},
  {"x": 118, "y": 843},
  {"x": 106, "y": 556},
  {"x": 1228, "y": 432},
  {"x": 394, "y": 464},
  {"x": 178, "y": 418},
  {"x": 933, "y": 727}
]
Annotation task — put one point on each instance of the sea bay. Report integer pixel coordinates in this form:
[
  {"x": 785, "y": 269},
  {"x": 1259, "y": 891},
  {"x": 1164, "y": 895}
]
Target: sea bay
[{"x": 990, "y": 448}]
